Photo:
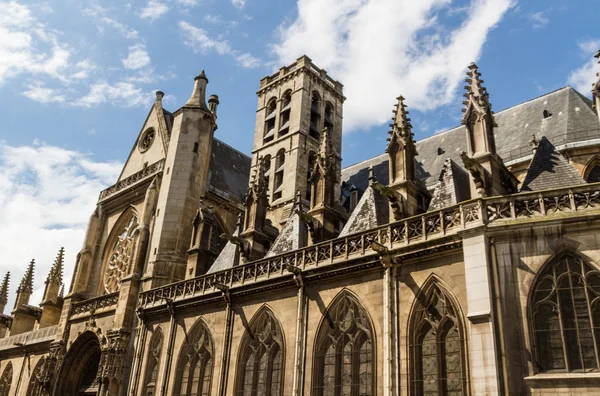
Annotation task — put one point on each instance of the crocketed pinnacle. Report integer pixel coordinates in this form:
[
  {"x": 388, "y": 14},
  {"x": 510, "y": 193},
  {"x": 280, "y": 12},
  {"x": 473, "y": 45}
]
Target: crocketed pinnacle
[
  {"x": 475, "y": 91},
  {"x": 258, "y": 183},
  {"x": 61, "y": 293},
  {"x": 401, "y": 126},
  {"x": 4, "y": 289},
  {"x": 56, "y": 272},
  {"x": 26, "y": 284},
  {"x": 325, "y": 146},
  {"x": 596, "y": 85}
]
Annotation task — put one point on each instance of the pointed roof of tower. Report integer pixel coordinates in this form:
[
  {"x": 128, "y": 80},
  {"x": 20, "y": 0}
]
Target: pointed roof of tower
[
  {"x": 476, "y": 94},
  {"x": 198, "y": 97},
  {"x": 56, "y": 272},
  {"x": 294, "y": 234},
  {"x": 230, "y": 254},
  {"x": 4, "y": 289},
  {"x": 401, "y": 126},
  {"x": 27, "y": 281}
]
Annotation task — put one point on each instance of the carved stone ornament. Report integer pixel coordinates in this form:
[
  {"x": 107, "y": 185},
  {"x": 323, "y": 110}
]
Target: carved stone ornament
[
  {"x": 119, "y": 261},
  {"x": 147, "y": 139},
  {"x": 113, "y": 358}
]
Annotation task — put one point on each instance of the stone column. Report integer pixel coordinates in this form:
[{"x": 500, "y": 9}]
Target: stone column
[
  {"x": 140, "y": 347},
  {"x": 169, "y": 355},
  {"x": 226, "y": 340},
  {"x": 485, "y": 371}
]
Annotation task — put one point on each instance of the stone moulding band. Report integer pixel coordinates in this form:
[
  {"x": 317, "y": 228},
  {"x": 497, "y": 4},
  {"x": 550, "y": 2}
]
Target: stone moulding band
[
  {"x": 132, "y": 180},
  {"x": 410, "y": 231}
]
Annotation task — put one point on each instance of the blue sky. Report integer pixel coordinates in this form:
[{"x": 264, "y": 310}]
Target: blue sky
[{"x": 77, "y": 79}]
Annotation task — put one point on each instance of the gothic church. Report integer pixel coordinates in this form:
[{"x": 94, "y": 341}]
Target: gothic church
[{"x": 467, "y": 263}]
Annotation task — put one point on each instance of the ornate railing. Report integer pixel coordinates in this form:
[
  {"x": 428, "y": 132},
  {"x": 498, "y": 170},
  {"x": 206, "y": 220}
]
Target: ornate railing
[
  {"x": 30, "y": 337},
  {"x": 413, "y": 230},
  {"x": 144, "y": 174},
  {"x": 94, "y": 304}
]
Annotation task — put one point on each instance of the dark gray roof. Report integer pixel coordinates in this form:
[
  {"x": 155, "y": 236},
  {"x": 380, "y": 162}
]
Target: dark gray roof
[
  {"x": 228, "y": 172},
  {"x": 454, "y": 186},
  {"x": 571, "y": 118},
  {"x": 292, "y": 237},
  {"x": 549, "y": 169},
  {"x": 228, "y": 258},
  {"x": 371, "y": 211}
]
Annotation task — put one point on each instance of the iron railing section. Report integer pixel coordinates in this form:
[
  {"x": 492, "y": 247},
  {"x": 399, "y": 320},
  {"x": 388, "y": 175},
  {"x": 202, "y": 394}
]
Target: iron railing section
[
  {"x": 413, "y": 230},
  {"x": 93, "y": 304},
  {"x": 132, "y": 180}
]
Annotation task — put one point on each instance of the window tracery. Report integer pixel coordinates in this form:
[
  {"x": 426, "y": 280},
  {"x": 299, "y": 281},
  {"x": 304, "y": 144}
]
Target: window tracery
[
  {"x": 195, "y": 366},
  {"x": 147, "y": 139},
  {"x": 153, "y": 361},
  {"x": 260, "y": 369},
  {"x": 36, "y": 385},
  {"x": 437, "y": 346},
  {"x": 345, "y": 351},
  {"x": 565, "y": 313},
  {"x": 6, "y": 380},
  {"x": 121, "y": 255}
]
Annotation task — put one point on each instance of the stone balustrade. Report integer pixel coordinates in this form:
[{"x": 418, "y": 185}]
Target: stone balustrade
[
  {"x": 132, "y": 180},
  {"x": 92, "y": 305}
]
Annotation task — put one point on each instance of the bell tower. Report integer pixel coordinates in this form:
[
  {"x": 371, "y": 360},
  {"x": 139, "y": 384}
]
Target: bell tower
[{"x": 294, "y": 106}]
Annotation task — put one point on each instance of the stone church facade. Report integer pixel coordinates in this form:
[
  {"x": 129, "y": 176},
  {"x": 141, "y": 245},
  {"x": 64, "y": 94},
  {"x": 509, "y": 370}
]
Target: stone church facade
[{"x": 467, "y": 263}]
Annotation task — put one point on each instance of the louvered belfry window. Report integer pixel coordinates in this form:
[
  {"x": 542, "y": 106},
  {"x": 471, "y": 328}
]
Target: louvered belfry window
[
  {"x": 437, "y": 346},
  {"x": 565, "y": 315},
  {"x": 260, "y": 369},
  {"x": 345, "y": 351}
]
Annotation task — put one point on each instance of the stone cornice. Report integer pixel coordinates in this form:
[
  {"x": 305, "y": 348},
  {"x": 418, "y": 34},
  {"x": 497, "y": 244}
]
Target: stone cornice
[{"x": 131, "y": 181}]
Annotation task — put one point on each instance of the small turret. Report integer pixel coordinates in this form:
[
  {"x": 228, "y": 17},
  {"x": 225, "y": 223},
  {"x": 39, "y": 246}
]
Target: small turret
[
  {"x": 198, "y": 97},
  {"x": 25, "y": 316},
  {"x": 26, "y": 286},
  {"x": 55, "y": 278}
]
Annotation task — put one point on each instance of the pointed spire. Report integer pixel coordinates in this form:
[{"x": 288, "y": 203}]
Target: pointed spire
[
  {"x": 61, "y": 293},
  {"x": 476, "y": 92},
  {"x": 56, "y": 272},
  {"x": 198, "y": 97},
  {"x": 4, "y": 290},
  {"x": 401, "y": 131},
  {"x": 26, "y": 284}
]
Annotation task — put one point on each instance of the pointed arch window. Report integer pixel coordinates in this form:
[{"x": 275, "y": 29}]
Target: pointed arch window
[
  {"x": 565, "y": 313},
  {"x": 315, "y": 115},
  {"x": 328, "y": 122},
  {"x": 120, "y": 256},
  {"x": 345, "y": 351},
  {"x": 260, "y": 368},
  {"x": 285, "y": 113},
  {"x": 195, "y": 366},
  {"x": 6, "y": 380},
  {"x": 278, "y": 182},
  {"x": 36, "y": 384},
  {"x": 437, "y": 346},
  {"x": 592, "y": 172},
  {"x": 153, "y": 362},
  {"x": 271, "y": 114}
]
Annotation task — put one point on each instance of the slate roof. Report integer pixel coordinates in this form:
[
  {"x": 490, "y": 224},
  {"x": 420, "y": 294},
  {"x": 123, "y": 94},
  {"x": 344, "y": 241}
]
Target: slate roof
[
  {"x": 373, "y": 210},
  {"x": 228, "y": 258},
  {"x": 453, "y": 187},
  {"x": 292, "y": 237},
  {"x": 228, "y": 173},
  {"x": 572, "y": 119},
  {"x": 549, "y": 169}
]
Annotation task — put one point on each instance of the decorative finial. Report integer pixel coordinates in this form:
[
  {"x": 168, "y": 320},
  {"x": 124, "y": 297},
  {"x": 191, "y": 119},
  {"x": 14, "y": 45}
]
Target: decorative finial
[
  {"x": 198, "y": 97},
  {"x": 159, "y": 97},
  {"x": 475, "y": 88},
  {"x": 238, "y": 224},
  {"x": 56, "y": 272},
  {"x": 26, "y": 284},
  {"x": 201, "y": 75},
  {"x": 372, "y": 178},
  {"x": 4, "y": 289}
]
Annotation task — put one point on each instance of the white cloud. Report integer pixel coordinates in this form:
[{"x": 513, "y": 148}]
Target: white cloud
[
  {"x": 121, "y": 93},
  {"x": 382, "y": 48},
  {"x": 540, "y": 19},
  {"x": 46, "y": 195},
  {"x": 238, "y": 3},
  {"x": 100, "y": 15},
  {"x": 199, "y": 41},
  {"x": 583, "y": 77},
  {"x": 188, "y": 3},
  {"x": 137, "y": 58},
  {"x": 38, "y": 92},
  {"x": 153, "y": 10}
]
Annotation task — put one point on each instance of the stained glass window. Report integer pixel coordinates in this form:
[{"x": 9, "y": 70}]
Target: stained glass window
[
  {"x": 260, "y": 370},
  {"x": 6, "y": 380},
  {"x": 344, "y": 361},
  {"x": 195, "y": 367},
  {"x": 121, "y": 255},
  {"x": 36, "y": 385},
  {"x": 152, "y": 362},
  {"x": 437, "y": 346},
  {"x": 566, "y": 316}
]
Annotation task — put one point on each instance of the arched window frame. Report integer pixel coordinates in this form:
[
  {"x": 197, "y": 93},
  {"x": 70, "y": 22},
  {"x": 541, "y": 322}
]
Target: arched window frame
[
  {"x": 264, "y": 339},
  {"x": 358, "y": 341},
  {"x": 36, "y": 386},
  {"x": 6, "y": 380},
  {"x": 547, "y": 296},
  {"x": 270, "y": 120},
  {"x": 329, "y": 116},
  {"x": 108, "y": 270},
  {"x": 278, "y": 174},
  {"x": 591, "y": 173},
  {"x": 285, "y": 113},
  {"x": 153, "y": 360},
  {"x": 196, "y": 356},
  {"x": 427, "y": 321},
  {"x": 315, "y": 115}
]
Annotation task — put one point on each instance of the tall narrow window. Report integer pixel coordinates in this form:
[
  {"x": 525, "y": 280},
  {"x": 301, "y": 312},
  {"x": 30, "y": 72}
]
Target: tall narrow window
[
  {"x": 315, "y": 116},
  {"x": 267, "y": 168},
  {"x": 6, "y": 380},
  {"x": 284, "y": 113},
  {"x": 312, "y": 159},
  {"x": 592, "y": 174},
  {"x": 195, "y": 365},
  {"x": 260, "y": 368},
  {"x": 278, "y": 182},
  {"x": 565, "y": 315},
  {"x": 120, "y": 256},
  {"x": 437, "y": 346},
  {"x": 36, "y": 385},
  {"x": 345, "y": 351},
  {"x": 153, "y": 362},
  {"x": 328, "y": 122},
  {"x": 269, "y": 133}
]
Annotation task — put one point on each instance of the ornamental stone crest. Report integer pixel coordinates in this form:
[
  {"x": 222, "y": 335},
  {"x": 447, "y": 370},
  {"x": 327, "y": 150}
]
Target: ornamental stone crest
[
  {"x": 147, "y": 140},
  {"x": 119, "y": 261}
]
